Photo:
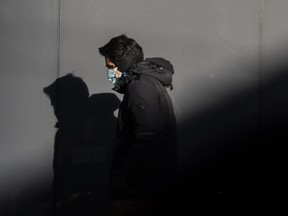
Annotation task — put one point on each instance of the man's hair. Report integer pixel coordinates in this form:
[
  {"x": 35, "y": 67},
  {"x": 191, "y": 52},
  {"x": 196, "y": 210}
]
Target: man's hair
[{"x": 119, "y": 47}]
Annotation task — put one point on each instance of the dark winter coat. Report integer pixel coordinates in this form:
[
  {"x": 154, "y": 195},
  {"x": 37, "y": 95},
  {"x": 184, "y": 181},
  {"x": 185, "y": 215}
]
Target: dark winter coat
[{"x": 144, "y": 164}]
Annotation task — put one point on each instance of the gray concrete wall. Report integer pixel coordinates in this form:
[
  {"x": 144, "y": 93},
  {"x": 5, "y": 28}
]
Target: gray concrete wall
[
  {"x": 221, "y": 55},
  {"x": 28, "y": 62}
]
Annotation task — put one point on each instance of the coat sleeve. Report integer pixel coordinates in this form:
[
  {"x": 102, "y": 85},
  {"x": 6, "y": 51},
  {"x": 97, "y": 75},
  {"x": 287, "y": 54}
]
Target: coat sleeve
[{"x": 144, "y": 108}]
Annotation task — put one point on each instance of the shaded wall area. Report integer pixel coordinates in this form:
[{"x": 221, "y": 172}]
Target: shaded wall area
[{"x": 232, "y": 154}]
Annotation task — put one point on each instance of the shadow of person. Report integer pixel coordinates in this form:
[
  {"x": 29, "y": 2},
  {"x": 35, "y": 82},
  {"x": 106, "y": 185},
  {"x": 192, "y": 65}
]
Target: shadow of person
[
  {"x": 102, "y": 107},
  {"x": 81, "y": 146}
]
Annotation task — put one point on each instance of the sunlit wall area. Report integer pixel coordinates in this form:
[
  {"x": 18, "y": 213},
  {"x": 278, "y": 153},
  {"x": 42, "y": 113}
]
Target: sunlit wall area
[
  {"x": 209, "y": 43},
  {"x": 28, "y": 56}
]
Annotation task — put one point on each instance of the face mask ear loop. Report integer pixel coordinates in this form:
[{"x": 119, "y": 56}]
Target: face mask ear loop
[{"x": 125, "y": 74}]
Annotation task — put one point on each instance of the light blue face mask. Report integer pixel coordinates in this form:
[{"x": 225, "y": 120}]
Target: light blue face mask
[{"x": 111, "y": 74}]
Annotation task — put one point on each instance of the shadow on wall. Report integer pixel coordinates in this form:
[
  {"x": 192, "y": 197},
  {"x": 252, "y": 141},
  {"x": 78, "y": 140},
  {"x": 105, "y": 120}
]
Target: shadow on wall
[
  {"x": 83, "y": 146},
  {"x": 82, "y": 153},
  {"x": 230, "y": 155}
]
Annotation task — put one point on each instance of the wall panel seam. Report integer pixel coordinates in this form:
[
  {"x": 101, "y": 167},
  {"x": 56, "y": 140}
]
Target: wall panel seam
[{"x": 59, "y": 35}]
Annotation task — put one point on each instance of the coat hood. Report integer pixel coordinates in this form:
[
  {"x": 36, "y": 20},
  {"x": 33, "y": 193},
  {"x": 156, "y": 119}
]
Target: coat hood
[{"x": 157, "y": 67}]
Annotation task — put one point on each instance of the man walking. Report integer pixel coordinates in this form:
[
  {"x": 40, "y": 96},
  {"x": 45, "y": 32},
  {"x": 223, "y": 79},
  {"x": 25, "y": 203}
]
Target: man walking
[{"x": 144, "y": 166}]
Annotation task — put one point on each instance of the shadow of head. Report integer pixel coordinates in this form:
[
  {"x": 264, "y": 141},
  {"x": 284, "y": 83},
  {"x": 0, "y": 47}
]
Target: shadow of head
[{"x": 69, "y": 96}]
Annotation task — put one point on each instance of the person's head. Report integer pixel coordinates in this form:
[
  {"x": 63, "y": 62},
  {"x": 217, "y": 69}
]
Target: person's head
[
  {"x": 120, "y": 54},
  {"x": 118, "y": 48}
]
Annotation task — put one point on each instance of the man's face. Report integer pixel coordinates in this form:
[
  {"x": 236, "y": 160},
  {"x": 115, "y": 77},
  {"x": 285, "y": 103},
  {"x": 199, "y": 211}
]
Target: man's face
[{"x": 111, "y": 65}]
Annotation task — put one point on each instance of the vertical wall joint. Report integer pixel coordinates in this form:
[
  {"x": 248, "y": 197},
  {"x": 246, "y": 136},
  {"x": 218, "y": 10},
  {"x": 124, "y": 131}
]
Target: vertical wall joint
[
  {"x": 59, "y": 37},
  {"x": 261, "y": 10}
]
